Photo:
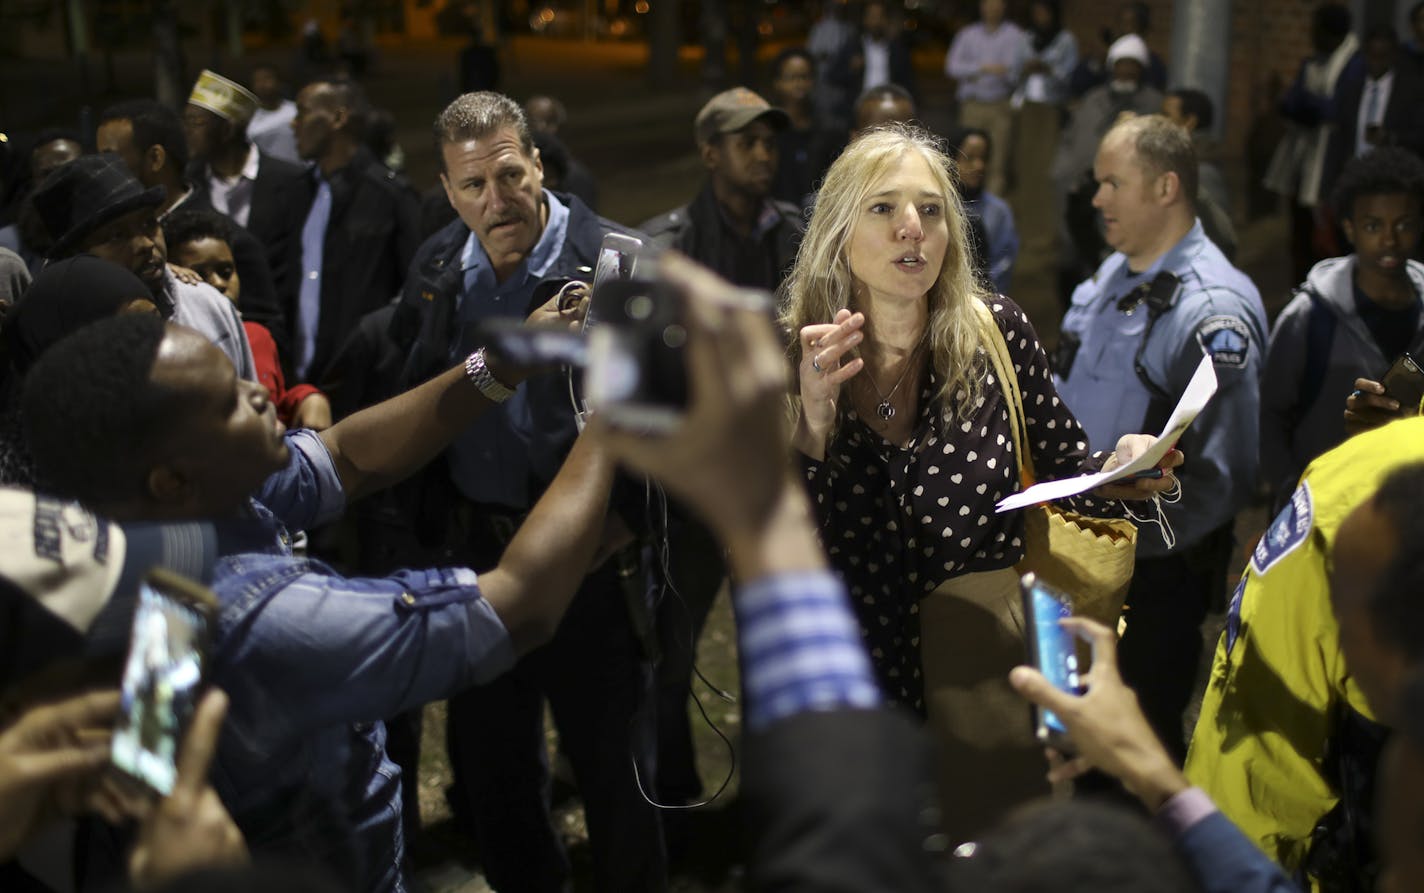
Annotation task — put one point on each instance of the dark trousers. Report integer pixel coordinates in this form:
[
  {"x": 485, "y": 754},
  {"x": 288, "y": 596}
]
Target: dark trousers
[
  {"x": 695, "y": 573},
  {"x": 1161, "y": 651},
  {"x": 599, "y": 690}
]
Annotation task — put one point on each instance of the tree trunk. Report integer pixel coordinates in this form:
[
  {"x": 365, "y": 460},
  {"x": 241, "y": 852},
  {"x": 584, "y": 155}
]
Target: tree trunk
[
  {"x": 235, "y": 19},
  {"x": 664, "y": 37},
  {"x": 714, "y": 42},
  {"x": 747, "y": 41},
  {"x": 170, "y": 83}
]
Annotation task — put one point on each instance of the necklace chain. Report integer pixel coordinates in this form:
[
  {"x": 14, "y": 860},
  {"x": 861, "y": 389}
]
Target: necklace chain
[{"x": 884, "y": 408}]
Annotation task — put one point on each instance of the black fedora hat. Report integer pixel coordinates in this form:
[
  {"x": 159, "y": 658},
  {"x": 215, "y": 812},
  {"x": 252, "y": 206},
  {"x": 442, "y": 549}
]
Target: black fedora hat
[{"x": 87, "y": 193}]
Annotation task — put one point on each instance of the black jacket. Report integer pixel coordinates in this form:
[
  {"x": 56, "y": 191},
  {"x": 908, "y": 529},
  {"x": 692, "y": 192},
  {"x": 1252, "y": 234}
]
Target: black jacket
[
  {"x": 371, "y": 238},
  {"x": 281, "y": 195},
  {"x": 425, "y": 325},
  {"x": 697, "y": 230},
  {"x": 1402, "y": 123},
  {"x": 847, "y": 70},
  {"x": 840, "y": 801}
]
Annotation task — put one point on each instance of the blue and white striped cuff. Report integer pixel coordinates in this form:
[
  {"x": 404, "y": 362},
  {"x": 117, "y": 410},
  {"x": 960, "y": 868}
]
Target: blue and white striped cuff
[{"x": 801, "y": 648}]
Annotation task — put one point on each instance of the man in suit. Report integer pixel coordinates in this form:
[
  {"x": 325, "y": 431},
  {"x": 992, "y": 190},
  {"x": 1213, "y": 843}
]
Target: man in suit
[
  {"x": 361, "y": 231},
  {"x": 1376, "y": 104},
  {"x": 266, "y": 196},
  {"x": 878, "y": 55}
]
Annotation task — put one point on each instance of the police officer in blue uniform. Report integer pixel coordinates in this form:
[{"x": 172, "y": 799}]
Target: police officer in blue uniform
[{"x": 1134, "y": 335}]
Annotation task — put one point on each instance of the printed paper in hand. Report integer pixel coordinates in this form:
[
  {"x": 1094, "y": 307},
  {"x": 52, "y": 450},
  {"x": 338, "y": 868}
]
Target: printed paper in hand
[{"x": 1198, "y": 393}]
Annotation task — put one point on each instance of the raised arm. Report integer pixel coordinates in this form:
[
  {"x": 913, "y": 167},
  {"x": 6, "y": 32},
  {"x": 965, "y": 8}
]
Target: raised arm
[{"x": 378, "y": 446}]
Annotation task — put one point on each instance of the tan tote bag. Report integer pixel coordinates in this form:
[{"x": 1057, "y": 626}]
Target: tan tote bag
[{"x": 1088, "y": 558}]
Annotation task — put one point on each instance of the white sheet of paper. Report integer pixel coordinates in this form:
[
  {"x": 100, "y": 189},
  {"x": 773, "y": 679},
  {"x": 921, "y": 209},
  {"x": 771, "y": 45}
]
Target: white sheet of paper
[{"x": 1194, "y": 399}]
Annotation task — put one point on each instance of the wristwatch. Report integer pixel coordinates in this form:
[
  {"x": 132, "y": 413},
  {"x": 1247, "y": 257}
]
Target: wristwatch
[{"x": 477, "y": 371}]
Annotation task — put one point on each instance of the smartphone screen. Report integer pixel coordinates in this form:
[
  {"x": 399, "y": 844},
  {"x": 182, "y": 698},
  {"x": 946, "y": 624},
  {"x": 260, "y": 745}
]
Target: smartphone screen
[
  {"x": 1053, "y": 649},
  {"x": 165, "y": 666},
  {"x": 617, "y": 257}
]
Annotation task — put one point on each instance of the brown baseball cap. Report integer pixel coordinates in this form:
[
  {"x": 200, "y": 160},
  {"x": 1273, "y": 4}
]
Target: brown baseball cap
[{"x": 731, "y": 110}]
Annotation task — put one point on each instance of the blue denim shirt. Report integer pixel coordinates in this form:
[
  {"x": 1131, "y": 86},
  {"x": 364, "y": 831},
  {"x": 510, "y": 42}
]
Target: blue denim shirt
[{"x": 312, "y": 661}]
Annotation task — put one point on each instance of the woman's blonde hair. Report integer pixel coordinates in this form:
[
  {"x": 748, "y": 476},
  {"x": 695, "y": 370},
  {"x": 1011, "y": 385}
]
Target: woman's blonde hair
[{"x": 821, "y": 282}]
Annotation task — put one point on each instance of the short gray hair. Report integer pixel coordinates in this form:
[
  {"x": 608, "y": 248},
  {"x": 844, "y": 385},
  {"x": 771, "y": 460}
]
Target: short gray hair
[
  {"x": 473, "y": 116},
  {"x": 1162, "y": 147}
]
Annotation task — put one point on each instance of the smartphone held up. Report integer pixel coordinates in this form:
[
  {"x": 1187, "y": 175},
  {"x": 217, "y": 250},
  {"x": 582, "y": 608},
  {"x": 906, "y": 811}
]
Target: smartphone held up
[
  {"x": 1054, "y": 651},
  {"x": 163, "y": 678}
]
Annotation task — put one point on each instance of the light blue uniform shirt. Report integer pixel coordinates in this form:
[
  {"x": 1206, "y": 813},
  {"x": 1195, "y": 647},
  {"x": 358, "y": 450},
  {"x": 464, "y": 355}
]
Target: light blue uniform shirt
[
  {"x": 1218, "y": 311},
  {"x": 490, "y": 461}
]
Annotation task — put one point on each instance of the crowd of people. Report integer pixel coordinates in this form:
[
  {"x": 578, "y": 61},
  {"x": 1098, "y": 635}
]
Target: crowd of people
[{"x": 239, "y": 345}]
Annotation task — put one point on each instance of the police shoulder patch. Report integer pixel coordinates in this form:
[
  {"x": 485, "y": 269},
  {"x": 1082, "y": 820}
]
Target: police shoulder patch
[
  {"x": 1227, "y": 340},
  {"x": 1289, "y": 529}
]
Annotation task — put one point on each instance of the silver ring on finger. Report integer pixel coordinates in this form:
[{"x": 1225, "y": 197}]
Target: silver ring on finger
[{"x": 816, "y": 364}]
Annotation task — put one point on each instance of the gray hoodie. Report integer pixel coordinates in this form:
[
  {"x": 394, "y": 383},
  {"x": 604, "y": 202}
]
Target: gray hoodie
[
  {"x": 1296, "y": 427},
  {"x": 206, "y": 310}
]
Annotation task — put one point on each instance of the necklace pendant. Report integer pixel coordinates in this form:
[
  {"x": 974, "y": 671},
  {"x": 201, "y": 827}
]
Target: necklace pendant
[{"x": 885, "y": 411}]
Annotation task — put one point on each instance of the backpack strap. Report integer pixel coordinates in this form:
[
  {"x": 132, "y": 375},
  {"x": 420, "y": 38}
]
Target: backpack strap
[{"x": 1319, "y": 335}]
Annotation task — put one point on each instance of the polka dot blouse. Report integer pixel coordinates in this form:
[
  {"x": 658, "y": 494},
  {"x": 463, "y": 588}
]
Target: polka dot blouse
[{"x": 897, "y": 521}]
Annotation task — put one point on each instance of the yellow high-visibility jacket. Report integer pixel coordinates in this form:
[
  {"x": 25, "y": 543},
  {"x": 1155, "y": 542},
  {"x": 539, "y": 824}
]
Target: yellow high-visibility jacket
[{"x": 1278, "y": 674}]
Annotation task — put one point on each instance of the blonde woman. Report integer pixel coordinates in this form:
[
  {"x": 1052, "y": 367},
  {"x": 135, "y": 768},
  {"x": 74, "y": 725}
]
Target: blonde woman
[{"x": 905, "y": 441}]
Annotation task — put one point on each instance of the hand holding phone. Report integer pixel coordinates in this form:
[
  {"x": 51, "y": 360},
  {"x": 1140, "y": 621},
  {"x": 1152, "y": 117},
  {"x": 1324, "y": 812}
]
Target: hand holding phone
[
  {"x": 163, "y": 678},
  {"x": 1107, "y": 727},
  {"x": 1053, "y": 651},
  {"x": 190, "y": 829},
  {"x": 617, "y": 262},
  {"x": 1404, "y": 382}
]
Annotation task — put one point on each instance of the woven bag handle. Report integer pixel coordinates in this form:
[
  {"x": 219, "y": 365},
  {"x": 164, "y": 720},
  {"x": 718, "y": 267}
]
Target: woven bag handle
[{"x": 998, "y": 350}]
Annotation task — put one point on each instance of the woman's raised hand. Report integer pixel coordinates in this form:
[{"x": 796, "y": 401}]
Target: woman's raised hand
[{"x": 824, "y": 368}]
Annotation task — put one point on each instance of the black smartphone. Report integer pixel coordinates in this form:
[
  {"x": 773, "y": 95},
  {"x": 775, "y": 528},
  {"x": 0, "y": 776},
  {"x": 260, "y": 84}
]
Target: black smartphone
[
  {"x": 637, "y": 373},
  {"x": 617, "y": 261},
  {"x": 1405, "y": 382},
  {"x": 1053, "y": 650},
  {"x": 163, "y": 678}
]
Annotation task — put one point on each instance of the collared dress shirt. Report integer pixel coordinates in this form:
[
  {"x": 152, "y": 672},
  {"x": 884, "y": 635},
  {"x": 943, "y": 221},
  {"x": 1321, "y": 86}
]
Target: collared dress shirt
[
  {"x": 233, "y": 196},
  {"x": 309, "y": 292},
  {"x": 1374, "y": 99},
  {"x": 877, "y": 63},
  {"x": 976, "y": 46}
]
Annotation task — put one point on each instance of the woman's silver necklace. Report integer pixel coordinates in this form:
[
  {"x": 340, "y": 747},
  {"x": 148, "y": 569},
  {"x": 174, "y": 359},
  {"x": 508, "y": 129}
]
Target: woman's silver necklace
[{"x": 884, "y": 408}]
